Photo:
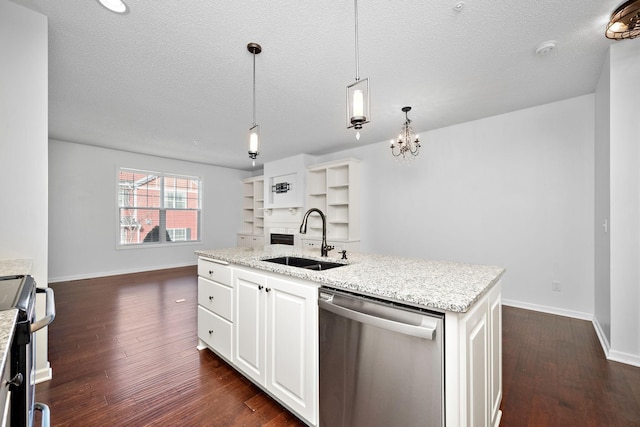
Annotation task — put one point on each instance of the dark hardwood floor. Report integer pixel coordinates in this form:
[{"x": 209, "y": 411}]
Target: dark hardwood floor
[
  {"x": 123, "y": 353},
  {"x": 555, "y": 374}
]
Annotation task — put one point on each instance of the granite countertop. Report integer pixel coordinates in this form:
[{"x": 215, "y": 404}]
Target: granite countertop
[
  {"x": 10, "y": 267},
  {"x": 441, "y": 285}
]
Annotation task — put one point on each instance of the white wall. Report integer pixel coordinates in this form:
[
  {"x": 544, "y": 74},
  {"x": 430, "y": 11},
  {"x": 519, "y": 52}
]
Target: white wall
[
  {"x": 23, "y": 147},
  {"x": 625, "y": 202},
  {"x": 602, "y": 218},
  {"x": 514, "y": 190},
  {"x": 83, "y": 218}
]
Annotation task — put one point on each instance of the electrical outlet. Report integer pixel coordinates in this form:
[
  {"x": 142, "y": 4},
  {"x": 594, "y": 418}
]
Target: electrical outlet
[{"x": 555, "y": 286}]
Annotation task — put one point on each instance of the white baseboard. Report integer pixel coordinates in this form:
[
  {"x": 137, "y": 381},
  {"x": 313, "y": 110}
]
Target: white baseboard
[
  {"x": 118, "y": 272},
  {"x": 44, "y": 374},
  {"x": 604, "y": 342},
  {"x": 629, "y": 359},
  {"x": 546, "y": 309}
]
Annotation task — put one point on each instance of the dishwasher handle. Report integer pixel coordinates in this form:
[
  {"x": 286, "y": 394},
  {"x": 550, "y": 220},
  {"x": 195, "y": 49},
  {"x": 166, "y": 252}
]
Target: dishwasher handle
[{"x": 420, "y": 331}]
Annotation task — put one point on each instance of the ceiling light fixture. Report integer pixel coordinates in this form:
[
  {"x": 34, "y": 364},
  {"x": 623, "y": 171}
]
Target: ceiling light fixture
[
  {"x": 358, "y": 111},
  {"x": 545, "y": 48},
  {"x": 625, "y": 21},
  {"x": 116, "y": 6},
  {"x": 408, "y": 142},
  {"x": 254, "y": 130}
]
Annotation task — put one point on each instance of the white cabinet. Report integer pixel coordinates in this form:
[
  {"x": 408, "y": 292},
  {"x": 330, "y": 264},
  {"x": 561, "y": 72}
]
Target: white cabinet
[
  {"x": 215, "y": 308},
  {"x": 338, "y": 245},
  {"x": 495, "y": 354},
  {"x": 334, "y": 188},
  {"x": 292, "y": 345},
  {"x": 250, "y": 241},
  {"x": 252, "y": 212},
  {"x": 473, "y": 353},
  {"x": 250, "y": 324},
  {"x": 276, "y": 336}
]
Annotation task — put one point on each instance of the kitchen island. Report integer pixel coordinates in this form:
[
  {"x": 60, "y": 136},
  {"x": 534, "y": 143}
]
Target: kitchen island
[{"x": 235, "y": 321}]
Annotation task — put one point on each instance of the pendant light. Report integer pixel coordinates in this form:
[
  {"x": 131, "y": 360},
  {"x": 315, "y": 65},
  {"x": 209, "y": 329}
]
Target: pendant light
[
  {"x": 408, "y": 142},
  {"x": 625, "y": 21},
  {"x": 254, "y": 130},
  {"x": 358, "y": 108}
]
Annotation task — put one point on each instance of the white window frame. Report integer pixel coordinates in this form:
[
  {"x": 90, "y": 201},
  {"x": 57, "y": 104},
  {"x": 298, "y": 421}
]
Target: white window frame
[{"x": 164, "y": 200}]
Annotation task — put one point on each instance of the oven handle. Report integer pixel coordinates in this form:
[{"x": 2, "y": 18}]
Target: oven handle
[
  {"x": 50, "y": 310},
  {"x": 45, "y": 420},
  {"x": 420, "y": 331}
]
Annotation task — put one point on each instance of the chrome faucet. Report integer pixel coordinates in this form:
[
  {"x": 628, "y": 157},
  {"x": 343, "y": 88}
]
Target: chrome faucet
[{"x": 324, "y": 249}]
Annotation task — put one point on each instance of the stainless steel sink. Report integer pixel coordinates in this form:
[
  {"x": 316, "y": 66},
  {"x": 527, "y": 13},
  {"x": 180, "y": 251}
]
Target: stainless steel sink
[{"x": 306, "y": 263}]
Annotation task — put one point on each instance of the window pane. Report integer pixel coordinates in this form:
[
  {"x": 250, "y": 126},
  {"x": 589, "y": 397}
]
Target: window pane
[
  {"x": 137, "y": 224},
  {"x": 181, "y": 192},
  {"x": 184, "y": 223},
  {"x": 138, "y": 189}
]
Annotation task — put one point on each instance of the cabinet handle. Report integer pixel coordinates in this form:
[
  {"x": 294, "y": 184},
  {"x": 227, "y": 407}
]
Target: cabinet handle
[
  {"x": 210, "y": 297},
  {"x": 210, "y": 331},
  {"x": 210, "y": 272},
  {"x": 268, "y": 289},
  {"x": 260, "y": 287}
]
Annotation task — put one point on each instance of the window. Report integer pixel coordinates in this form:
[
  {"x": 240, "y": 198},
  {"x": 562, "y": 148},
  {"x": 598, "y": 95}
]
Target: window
[{"x": 157, "y": 208}]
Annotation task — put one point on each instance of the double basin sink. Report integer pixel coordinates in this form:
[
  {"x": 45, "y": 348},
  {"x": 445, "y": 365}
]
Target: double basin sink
[{"x": 306, "y": 263}]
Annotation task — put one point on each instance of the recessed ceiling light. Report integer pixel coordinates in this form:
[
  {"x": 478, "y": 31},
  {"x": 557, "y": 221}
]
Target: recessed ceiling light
[{"x": 117, "y": 6}]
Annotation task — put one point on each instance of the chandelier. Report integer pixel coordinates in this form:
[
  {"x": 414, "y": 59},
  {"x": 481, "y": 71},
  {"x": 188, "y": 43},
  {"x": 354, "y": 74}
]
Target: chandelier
[
  {"x": 358, "y": 111},
  {"x": 254, "y": 130},
  {"x": 407, "y": 142},
  {"x": 625, "y": 21}
]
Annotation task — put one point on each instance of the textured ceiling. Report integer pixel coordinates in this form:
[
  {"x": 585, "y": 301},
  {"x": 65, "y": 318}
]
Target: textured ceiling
[{"x": 172, "y": 72}]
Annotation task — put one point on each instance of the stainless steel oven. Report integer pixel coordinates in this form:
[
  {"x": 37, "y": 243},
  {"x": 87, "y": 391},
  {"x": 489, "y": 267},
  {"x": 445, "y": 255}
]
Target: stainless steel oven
[
  {"x": 381, "y": 364},
  {"x": 19, "y": 292}
]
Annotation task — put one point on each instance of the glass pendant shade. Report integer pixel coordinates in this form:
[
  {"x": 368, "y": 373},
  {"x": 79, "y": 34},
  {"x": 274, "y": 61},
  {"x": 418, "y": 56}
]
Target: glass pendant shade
[
  {"x": 254, "y": 141},
  {"x": 358, "y": 112}
]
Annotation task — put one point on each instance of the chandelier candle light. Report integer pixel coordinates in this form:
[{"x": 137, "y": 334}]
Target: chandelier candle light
[
  {"x": 254, "y": 131},
  {"x": 358, "y": 112},
  {"x": 408, "y": 142}
]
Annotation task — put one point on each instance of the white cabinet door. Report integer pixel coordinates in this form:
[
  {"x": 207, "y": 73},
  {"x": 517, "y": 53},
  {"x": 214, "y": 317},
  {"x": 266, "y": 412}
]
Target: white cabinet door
[
  {"x": 250, "y": 324},
  {"x": 473, "y": 363},
  {"x": 292, "y": 345},
  {"x": 476, "y": 338},
  {"x": 495, "y": 354}
]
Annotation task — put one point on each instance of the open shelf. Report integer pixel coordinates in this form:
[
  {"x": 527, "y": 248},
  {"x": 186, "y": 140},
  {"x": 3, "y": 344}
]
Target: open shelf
[{"x": 333, "y": 188}]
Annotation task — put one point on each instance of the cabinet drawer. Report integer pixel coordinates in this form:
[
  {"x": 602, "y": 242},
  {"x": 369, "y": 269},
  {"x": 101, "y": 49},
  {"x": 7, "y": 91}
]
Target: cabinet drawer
[
  {"x": 215, "y": 332},
  {"x": 214, "y": 271},
  {"x": 216, "y": 297}
]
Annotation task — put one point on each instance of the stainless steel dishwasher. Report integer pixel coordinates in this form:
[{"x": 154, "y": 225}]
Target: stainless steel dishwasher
[{"x": 381, "y": 364}]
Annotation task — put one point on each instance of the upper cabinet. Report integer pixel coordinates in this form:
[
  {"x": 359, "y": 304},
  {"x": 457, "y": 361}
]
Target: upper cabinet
[
  {"x": 334, "y": 188},
  {"x": 253, "y": 206}
]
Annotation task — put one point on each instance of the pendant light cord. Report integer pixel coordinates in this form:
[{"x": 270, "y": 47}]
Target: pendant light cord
[
  {"x": 355, "y": 3},
  {"x": 254, "y": 88}
]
